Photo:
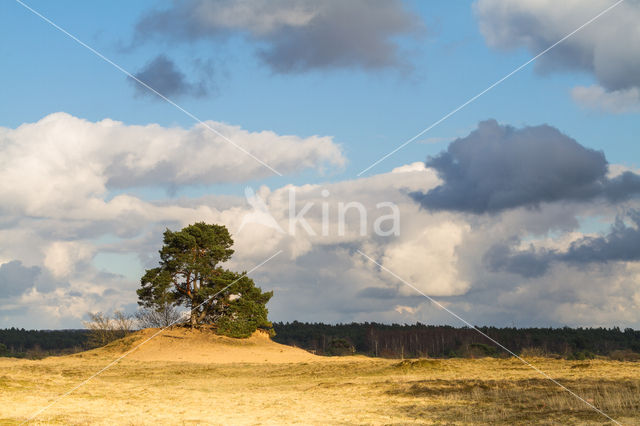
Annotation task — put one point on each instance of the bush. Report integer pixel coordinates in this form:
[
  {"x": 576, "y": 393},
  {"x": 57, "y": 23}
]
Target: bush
[
  {"x": 419, "y": 364},
  {"x": 581, "y": 355},
  {"x": 161, "y": 317},
  {"x": 104, "y": 329},
  {"x": 480, "y": 350},
  {"x": 624, "y": 355},
  {"x": 533, "y": 352},
  {"x": 450, "y": 353},
  {"x": 340, "y": 347}
]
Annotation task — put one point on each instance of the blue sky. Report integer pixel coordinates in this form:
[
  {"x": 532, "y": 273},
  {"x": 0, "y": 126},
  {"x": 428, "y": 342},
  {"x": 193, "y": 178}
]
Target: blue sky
[{"x": 365, "y": 111}]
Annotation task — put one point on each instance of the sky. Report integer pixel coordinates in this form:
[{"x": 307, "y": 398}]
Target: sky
[{"x": 518, "y": 208}]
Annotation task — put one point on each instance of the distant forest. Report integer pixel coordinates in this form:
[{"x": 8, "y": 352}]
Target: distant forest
[
  {"x": 18, "y": 342},
  {"x": 384, "y": 340},
  {"x": 419, "y": 340}
]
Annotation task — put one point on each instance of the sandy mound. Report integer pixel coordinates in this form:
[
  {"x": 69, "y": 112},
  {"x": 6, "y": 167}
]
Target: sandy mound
[{"x": 185, "y": 345}]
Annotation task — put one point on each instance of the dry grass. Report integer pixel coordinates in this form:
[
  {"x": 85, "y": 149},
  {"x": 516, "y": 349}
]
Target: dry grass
[
  {"x": 526, "y": 401},
  {"x": 349, "y": 390}
]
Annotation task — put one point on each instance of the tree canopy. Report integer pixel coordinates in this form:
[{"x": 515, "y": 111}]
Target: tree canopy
[{"x": 190, "y": 275}]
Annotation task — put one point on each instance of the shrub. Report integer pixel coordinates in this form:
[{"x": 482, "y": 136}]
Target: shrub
[
  {"x": 419, "y": 364},
  {"x": 581, "y": 355},
  {"x": 533, "y": 352},
  {"x": 104, "y": 329},
  {"x": 479, "y": 350},
  {"x": 624, "y": 355},
  {"x": 340, "y": 347},
  {"x": 162, "y": 316}
]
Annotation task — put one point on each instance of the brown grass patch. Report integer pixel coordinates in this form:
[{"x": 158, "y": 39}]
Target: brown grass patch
[{"x": 525, "y": 401}]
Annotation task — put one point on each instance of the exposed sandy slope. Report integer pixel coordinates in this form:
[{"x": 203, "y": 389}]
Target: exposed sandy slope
[{"x": 185, "y": 345}]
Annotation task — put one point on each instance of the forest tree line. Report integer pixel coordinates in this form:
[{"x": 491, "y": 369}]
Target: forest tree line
[
  {"x": 18, "y": 342},
  {"x": 383, "y": 340},
  {"x": 420, "y": 340}
]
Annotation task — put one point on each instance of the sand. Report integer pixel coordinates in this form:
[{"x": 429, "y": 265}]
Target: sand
[{"x": 204, "y": 347}]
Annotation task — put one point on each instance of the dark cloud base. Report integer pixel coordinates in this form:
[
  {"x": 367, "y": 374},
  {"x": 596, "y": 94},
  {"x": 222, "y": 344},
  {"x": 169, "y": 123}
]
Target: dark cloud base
[
  {"x": 16, "y": 279},
  {"x": 621, "y": 244},
  {"x": 163, "y": 75},
  {"x": 498, "y": 167},
  {"x": 339, "y": 34}
]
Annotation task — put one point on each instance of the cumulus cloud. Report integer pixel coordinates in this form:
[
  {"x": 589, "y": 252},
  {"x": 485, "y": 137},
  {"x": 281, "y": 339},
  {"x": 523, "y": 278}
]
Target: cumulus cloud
[
  {"x": 609, "y": 48},
  {"x": 500, "y": 167},
  {"x": 293, "y": 35},
  {"x": 16, "y": 279},
  {"x": 413, "y": 167},
  {"x": 89, "y": 239},
  {"x": 604, "y": 296},
  {"x": 162, "y": 75},
  {"x": 322, "y": 277},
  {"x": 620, "y": 244},
  {"x": 312, "y": 267},
  {"x": 423, "y": 250},
  {"x": 53, "y": 163},
  {"x": 62, "y": 257},
  {"x": 616, "y": 102},
  {"x": 428, "y": 258},
  {"x": 528, "y": 262}
]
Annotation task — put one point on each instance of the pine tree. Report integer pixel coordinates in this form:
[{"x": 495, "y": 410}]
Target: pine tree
[{"x": 190, "y": 275}]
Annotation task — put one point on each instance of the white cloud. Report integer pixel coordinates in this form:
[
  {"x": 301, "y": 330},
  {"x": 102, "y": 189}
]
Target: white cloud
[
  {"x": 259, "y": 17},
  {"x": 405, "y": 309},
  {"x": 616, "y": 102},
  {"x": 62, "y": 160},
  {"x": 616, "y": 170},
  {"x": 413, "y": 167},
  {"x": 61, "y": 257},
  {"x": 428, "y": 260}
]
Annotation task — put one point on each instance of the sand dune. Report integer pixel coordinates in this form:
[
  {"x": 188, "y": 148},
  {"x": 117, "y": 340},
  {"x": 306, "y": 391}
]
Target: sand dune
[{"x": 204, "y": 346}]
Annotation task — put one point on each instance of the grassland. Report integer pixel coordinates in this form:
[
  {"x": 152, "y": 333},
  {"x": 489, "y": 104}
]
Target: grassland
[{"x": 348, "y": 390}]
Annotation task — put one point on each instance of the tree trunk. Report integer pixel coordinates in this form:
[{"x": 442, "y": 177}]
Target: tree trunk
[{"x": 194, "y": 317}]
